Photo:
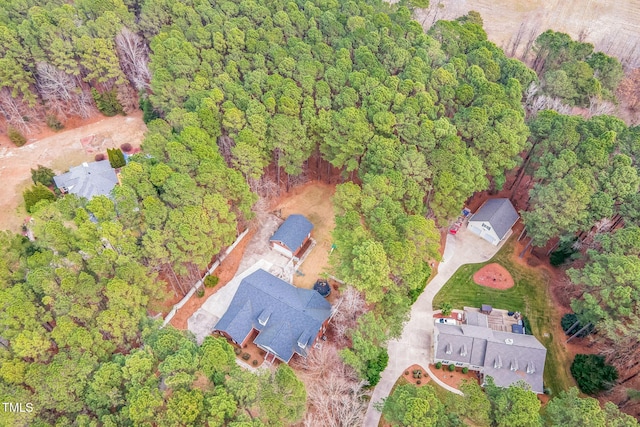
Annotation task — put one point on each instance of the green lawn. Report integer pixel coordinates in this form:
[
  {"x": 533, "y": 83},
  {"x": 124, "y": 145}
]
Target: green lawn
[{"x": 530, "y": 296}]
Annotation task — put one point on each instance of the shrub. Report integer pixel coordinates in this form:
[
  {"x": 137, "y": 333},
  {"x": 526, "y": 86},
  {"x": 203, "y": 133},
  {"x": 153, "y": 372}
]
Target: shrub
[
  {"x": 452, "y": 368},
  {"x": 418, "y": 382},
  {"x": 527, "y": 326},
  {"x": 415, "y": 293},
  {"x": 254, "y": 363},
  {"x": 406, "y": 372},
  {"x": 568, "y": 320},
  {"x": 237, "y": 351},
  {"x": 126, "y": 147},
  {"x": 116, "y": 158},
  {"x": 54, "y": 123},
  {"x": 592, "y": 373},
  {"x": 107, "y": 102},
  {"x": 439, "y": 365},
  {"x": 36, "y": 194},
  {"x": 374, "y": 367},
  {"x": 465, "y": 370},
  {"x": 42, "y": 175},
  {"x": 16, "y": 137},
  {"x": 446, "y": 308},
  {"x": 246, "y": 356},
  {"x": 200, "y": 292},
  {"x": 211, "y": 281},
  {"x": 100, "y": 157},
  {"x": 560, "y": 255},
  {"x": 149, "y": 113}
]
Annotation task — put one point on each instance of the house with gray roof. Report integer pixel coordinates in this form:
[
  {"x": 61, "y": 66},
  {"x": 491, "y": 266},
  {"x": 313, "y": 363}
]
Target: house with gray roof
[
  {"x": 88, "y": 180},
  {"x": 290, "y": 239},
  {"x": 504, "y": 356},
  {"x": 494, "y": 220},
  {"x": 280, "y": 318}
]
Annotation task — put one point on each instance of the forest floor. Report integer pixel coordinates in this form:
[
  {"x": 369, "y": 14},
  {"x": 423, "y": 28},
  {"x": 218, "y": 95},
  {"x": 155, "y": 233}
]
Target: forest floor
[
  {"x": 58, "y": 151},
  {"x": 313, "y": 200}
]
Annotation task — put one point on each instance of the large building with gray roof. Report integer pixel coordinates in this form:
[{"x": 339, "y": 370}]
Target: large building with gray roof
[
  {"x": 280, "y": 318},
  {"x": 494, "y": 220},
  {"x": 504, "y": 356},
  {"x": 88, "y": 180}
]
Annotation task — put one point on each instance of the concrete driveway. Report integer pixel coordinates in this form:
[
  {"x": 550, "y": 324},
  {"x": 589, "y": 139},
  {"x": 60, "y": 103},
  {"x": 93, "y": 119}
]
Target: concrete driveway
[{"x": 414, "y": 346}]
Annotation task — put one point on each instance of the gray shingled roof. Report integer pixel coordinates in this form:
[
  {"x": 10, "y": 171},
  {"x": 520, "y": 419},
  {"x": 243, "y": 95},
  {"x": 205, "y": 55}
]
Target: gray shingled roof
[
  {"x": 505, "y": 356},
  {"x": 88, "y": 180},
  {"x": 500, "y": 213},
  {"x": 293, "y": 231},
  {"x": 293, "y": 314}
]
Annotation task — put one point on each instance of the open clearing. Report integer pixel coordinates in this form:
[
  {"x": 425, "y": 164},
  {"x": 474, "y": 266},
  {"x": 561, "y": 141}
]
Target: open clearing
[
  {"x": 530, "y": 296},
  {"x": 611, "y": 26},
  {"x": 59, "y": 152},
  {"x": 312, "y": 200}
]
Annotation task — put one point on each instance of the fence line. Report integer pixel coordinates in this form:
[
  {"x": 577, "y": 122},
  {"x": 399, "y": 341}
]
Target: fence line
[{"x": 200, "y": 282}]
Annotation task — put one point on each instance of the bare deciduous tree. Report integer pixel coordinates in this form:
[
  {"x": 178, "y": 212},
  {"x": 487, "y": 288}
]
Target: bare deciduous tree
[
  {"x": 17, "y": 113},
  {"x": 347, "y": 310},
  {"x": 338, "y": 398},
  {"x": 62, "y": 92},
  {"x": 134, "y": 58}
]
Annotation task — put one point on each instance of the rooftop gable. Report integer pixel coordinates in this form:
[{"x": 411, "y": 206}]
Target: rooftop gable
[
  {"x": 499, "y": 213},
  {"x": 293, "y": 232},
  {"x": 281, "y": 312},
  {"x": 88, "y": 179}
]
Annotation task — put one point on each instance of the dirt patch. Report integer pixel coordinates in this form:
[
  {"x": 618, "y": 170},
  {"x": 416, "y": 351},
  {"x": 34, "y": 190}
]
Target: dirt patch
[
  {"x": 455, "y": 378},
  {"x": 59, "y": 151},
  {"x": 416, "y": 373},
  {"x": 313, "y": 200},
  {"x": 493, "y": 276}
]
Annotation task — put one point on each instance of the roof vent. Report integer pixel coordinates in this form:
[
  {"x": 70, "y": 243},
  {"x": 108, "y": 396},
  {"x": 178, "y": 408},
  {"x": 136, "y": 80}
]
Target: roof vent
[
  {"x": 497, "y": 364},
  {"x": 508, "y": 341}
]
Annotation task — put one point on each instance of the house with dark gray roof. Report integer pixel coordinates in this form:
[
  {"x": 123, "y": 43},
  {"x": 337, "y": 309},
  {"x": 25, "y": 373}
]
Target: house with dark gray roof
[
  {"x": 290, "y": 239},
  {"x": 88, "y": 180},
  {"x": 494, "y": 220},
  {"x": 504, "y": 356},
  {"x": 280, "y": 318}
]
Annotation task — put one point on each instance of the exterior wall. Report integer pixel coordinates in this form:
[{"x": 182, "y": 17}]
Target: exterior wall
[
  {"x": 279, "y": 248},
  {"x": 484, "y": 230}
]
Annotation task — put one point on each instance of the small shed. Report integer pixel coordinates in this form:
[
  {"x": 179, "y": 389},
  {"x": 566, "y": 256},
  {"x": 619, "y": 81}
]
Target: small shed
[
  {"x": 486, "y": 309},
  {"x": 292, "y": 236},
  {"x": 494, "y": 220}
]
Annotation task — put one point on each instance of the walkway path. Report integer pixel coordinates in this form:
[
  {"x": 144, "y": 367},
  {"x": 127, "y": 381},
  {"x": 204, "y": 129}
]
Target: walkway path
[{"x": 414, "y": 346}]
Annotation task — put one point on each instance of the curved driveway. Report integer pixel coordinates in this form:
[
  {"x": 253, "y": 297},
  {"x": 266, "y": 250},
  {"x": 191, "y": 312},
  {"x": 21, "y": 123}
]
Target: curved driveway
[{"x": 414, "y": 346}]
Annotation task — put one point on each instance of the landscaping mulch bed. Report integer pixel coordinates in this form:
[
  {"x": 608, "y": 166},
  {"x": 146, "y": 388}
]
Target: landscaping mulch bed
[{"x": 423, "y": 377}]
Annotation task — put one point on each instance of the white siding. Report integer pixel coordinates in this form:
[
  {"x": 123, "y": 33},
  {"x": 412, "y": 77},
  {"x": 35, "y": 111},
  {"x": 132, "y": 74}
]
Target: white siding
[
  {"x": 484, "y": 230},
  {"x": 283, "y": 251}
]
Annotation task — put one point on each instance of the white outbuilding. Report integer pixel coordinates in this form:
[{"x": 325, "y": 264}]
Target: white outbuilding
[{"x": 493, "y": 221}]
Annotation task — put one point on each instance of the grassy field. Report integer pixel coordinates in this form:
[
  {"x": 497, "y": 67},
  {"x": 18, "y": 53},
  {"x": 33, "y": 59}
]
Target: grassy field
[{"x": 530, "y": 296}]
